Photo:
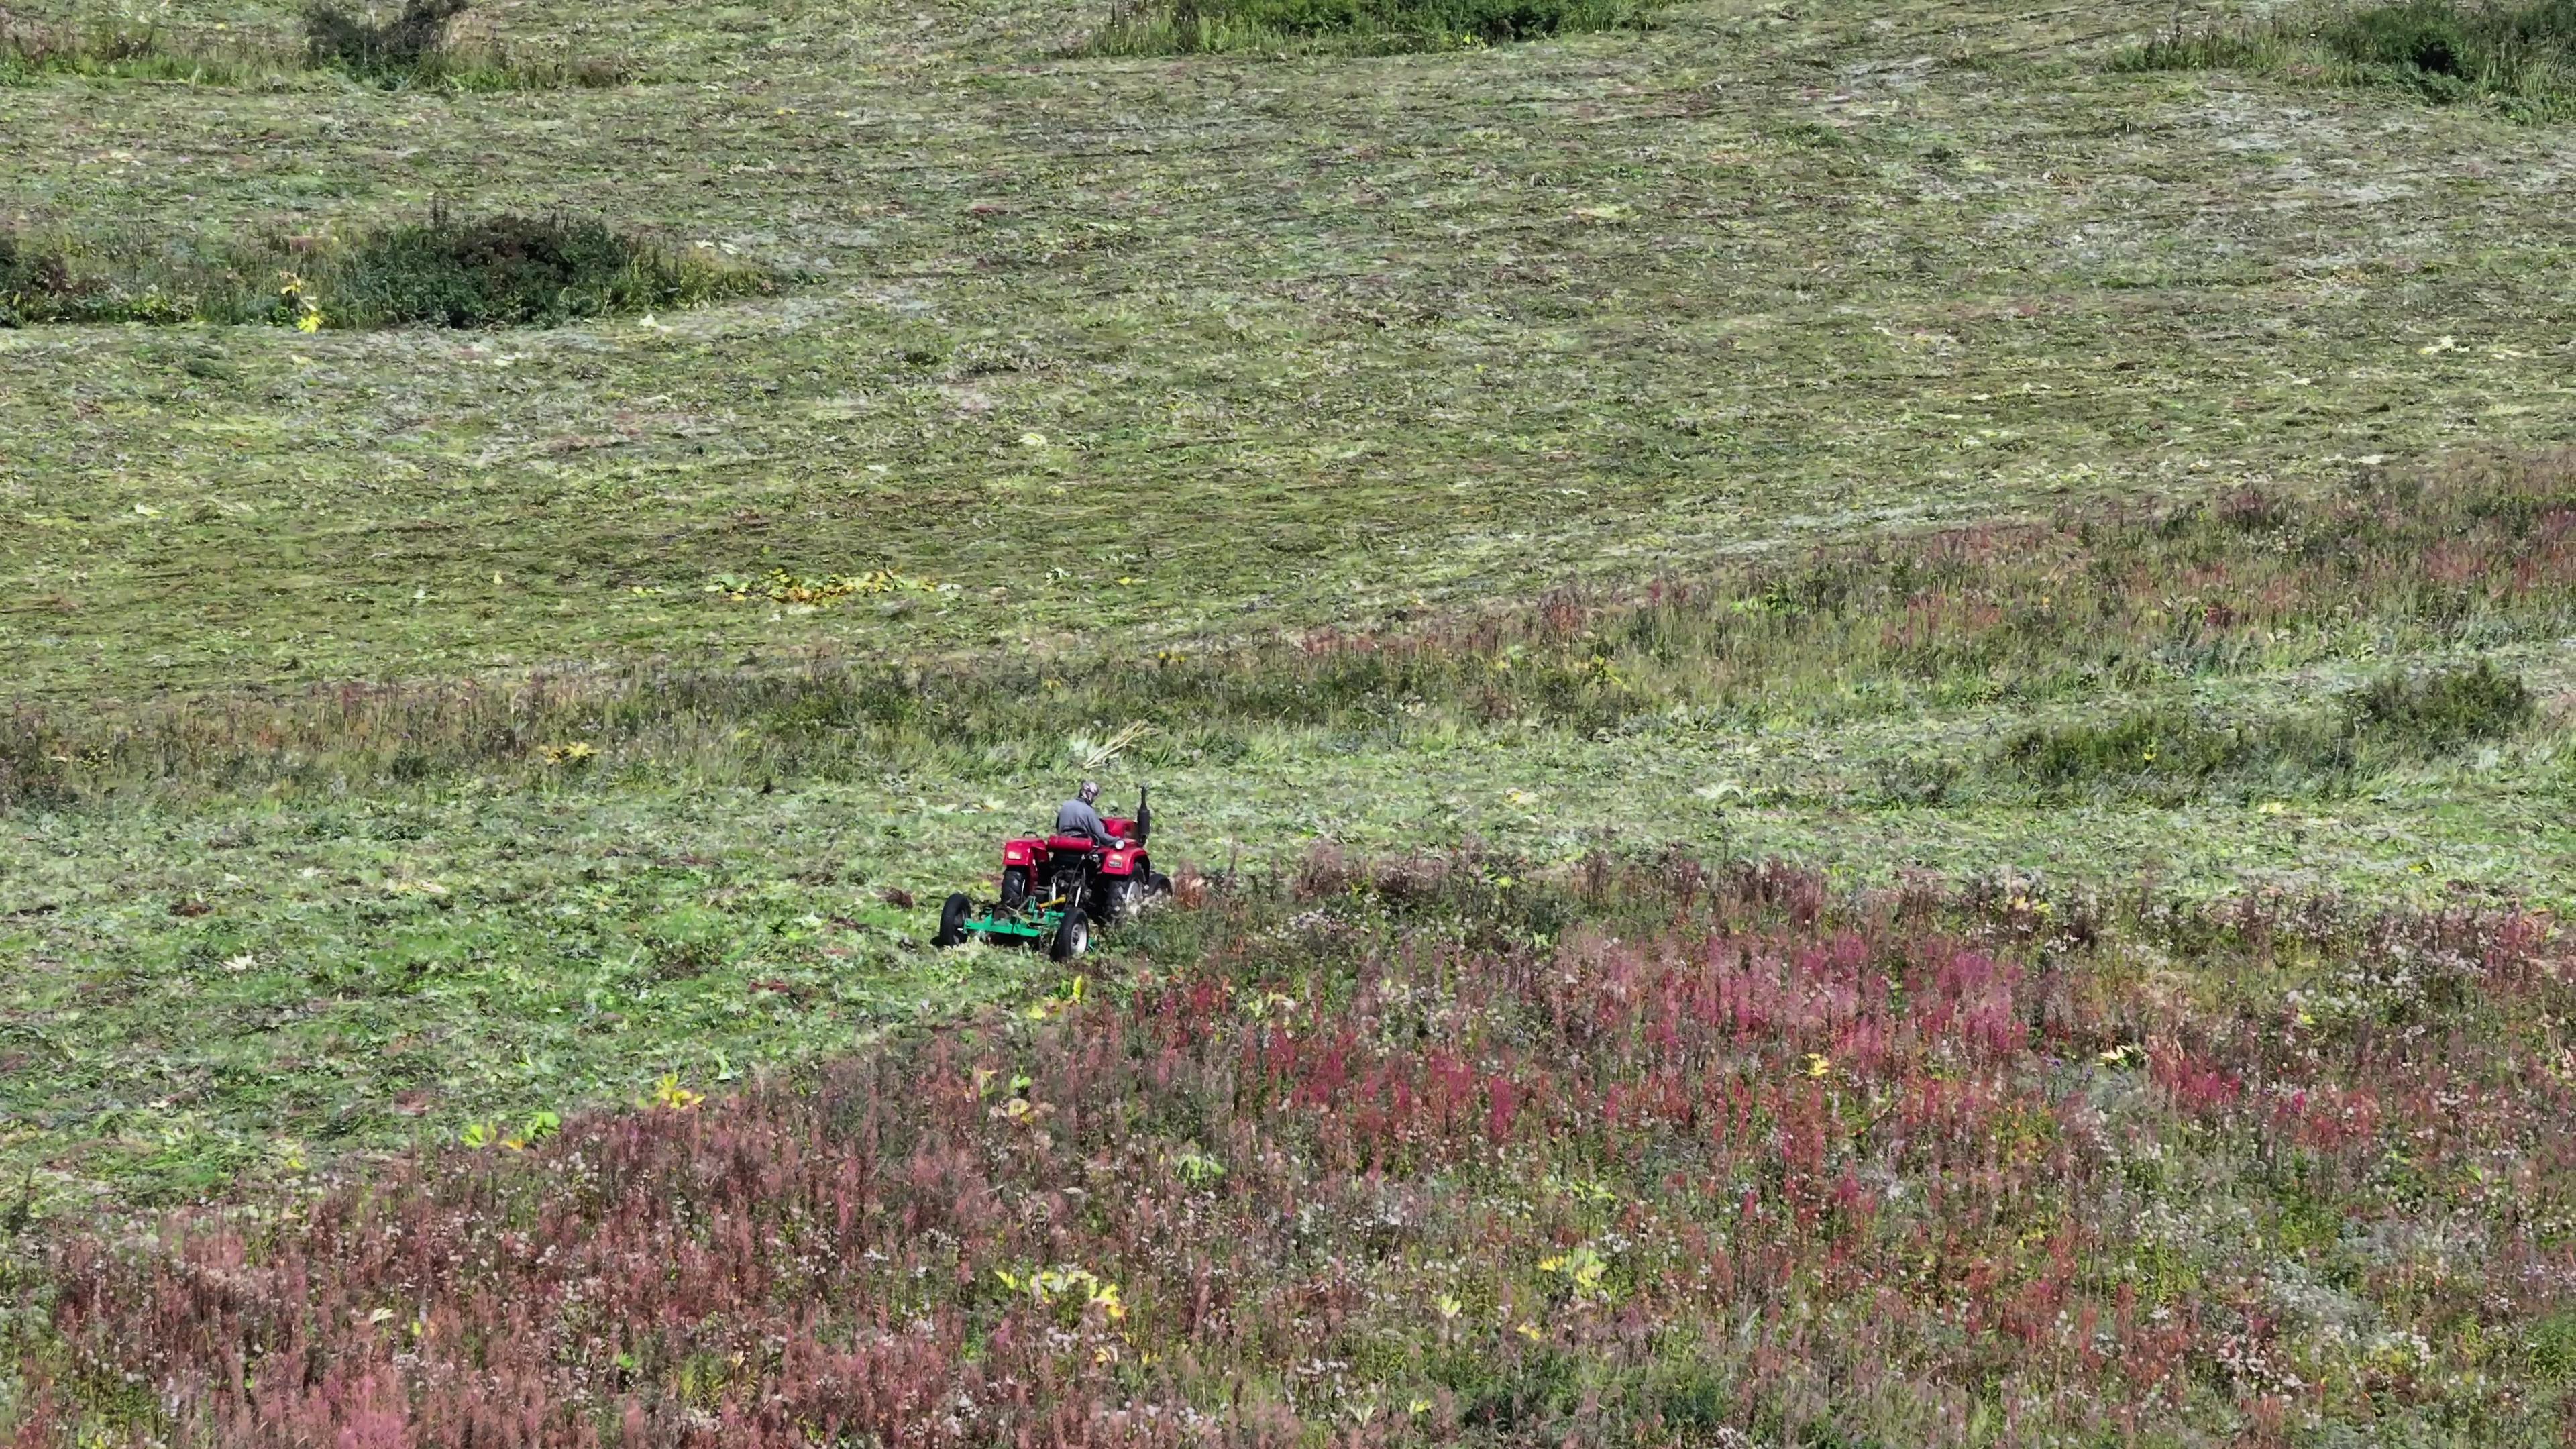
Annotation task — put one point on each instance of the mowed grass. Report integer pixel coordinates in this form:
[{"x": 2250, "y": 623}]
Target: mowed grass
[{"x": 1134, "y": 349}]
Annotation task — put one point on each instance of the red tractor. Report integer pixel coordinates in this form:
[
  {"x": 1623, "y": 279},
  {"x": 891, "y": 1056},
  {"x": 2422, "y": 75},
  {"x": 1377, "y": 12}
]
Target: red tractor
[{"x": 1055, "y": 888}]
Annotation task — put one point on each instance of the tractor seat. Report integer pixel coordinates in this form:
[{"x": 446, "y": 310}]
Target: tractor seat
[{"x": 1072, "y": 844}]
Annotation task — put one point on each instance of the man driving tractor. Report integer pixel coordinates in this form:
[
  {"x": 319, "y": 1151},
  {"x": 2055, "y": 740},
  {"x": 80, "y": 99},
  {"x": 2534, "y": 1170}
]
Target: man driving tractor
[
  {"x": 1056, "y": 887},
  {"x": 1078, "y": 816}
]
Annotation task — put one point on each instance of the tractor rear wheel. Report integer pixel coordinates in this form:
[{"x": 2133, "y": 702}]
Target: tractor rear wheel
[
  {"x": 952, "y": 921},
  {"x": 1072, "y": 936}
]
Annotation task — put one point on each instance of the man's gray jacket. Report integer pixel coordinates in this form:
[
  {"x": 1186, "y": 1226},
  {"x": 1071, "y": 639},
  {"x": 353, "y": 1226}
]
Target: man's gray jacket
[{"x": 1076, "y": 818}]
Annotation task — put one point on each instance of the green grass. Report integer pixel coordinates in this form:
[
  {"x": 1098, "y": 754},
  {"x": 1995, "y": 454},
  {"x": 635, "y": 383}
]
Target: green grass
[{"x": 1302, "y": 362}]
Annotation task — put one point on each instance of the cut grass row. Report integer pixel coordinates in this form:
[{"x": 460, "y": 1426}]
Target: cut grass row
[{"x": 2397, "y": 577}]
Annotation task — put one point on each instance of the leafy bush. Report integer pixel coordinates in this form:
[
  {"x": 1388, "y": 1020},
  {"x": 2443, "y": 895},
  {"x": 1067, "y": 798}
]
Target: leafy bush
[
  {"x": 2519, "y": 56},
  {"x": 506, "y": 270},
  {"x": 1176, "y": 27}
]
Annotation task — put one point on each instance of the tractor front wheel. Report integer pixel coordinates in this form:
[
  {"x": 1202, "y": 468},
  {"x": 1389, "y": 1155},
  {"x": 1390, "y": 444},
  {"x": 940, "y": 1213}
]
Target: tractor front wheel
[
  {"x": 952, "y": 921},
  {"x": 1015, "y": 887},
  {"x": 1072, "y": 936}
]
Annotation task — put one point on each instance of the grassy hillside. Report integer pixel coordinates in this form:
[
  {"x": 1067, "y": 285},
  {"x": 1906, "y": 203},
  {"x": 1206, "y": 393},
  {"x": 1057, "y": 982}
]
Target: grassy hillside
[{"x": 2121, "y": 508}]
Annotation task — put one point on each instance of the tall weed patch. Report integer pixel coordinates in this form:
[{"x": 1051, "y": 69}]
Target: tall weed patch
[
  {"x": 416, "y": 45},
  {"x": 443, "y": 271},
  {"x": 1420, "y": 1157},
  {"x": 2174, "y": 754},
  {"x": 30, "y": 51},
  {"x": 2520, "y": 57},
  {"x": 404, "y": 43},
  {"x": 516, "y": 270}
]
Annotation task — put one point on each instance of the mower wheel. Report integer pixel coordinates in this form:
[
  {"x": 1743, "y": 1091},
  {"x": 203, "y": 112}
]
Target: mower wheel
[
  {"x": 1015, "y": 886},
  {"x": 1072, "y": 936},
  {"x": 952, "y": 921}
]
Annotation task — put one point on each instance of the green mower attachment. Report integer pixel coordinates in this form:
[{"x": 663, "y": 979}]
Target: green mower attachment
[{"x": 1058, "y": 924}]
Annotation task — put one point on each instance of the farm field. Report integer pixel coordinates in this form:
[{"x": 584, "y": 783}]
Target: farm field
[{"x": 2016, "y": 592}]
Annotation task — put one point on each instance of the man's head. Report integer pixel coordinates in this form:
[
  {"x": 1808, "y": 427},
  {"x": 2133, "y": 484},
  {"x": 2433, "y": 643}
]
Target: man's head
[{"x": 1089, "y": 792}]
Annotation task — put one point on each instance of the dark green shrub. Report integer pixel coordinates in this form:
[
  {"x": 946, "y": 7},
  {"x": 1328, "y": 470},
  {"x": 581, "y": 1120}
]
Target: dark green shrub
[
  {"x": 2173, "y": 755},
  {"x": 513, "y": 270},
  {"x": 1366, "y": 26},
  {"x": 2522, "y": 57},
  {"x": 2431, "y": 36},
  {"x": 2430, "y": 713}
]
